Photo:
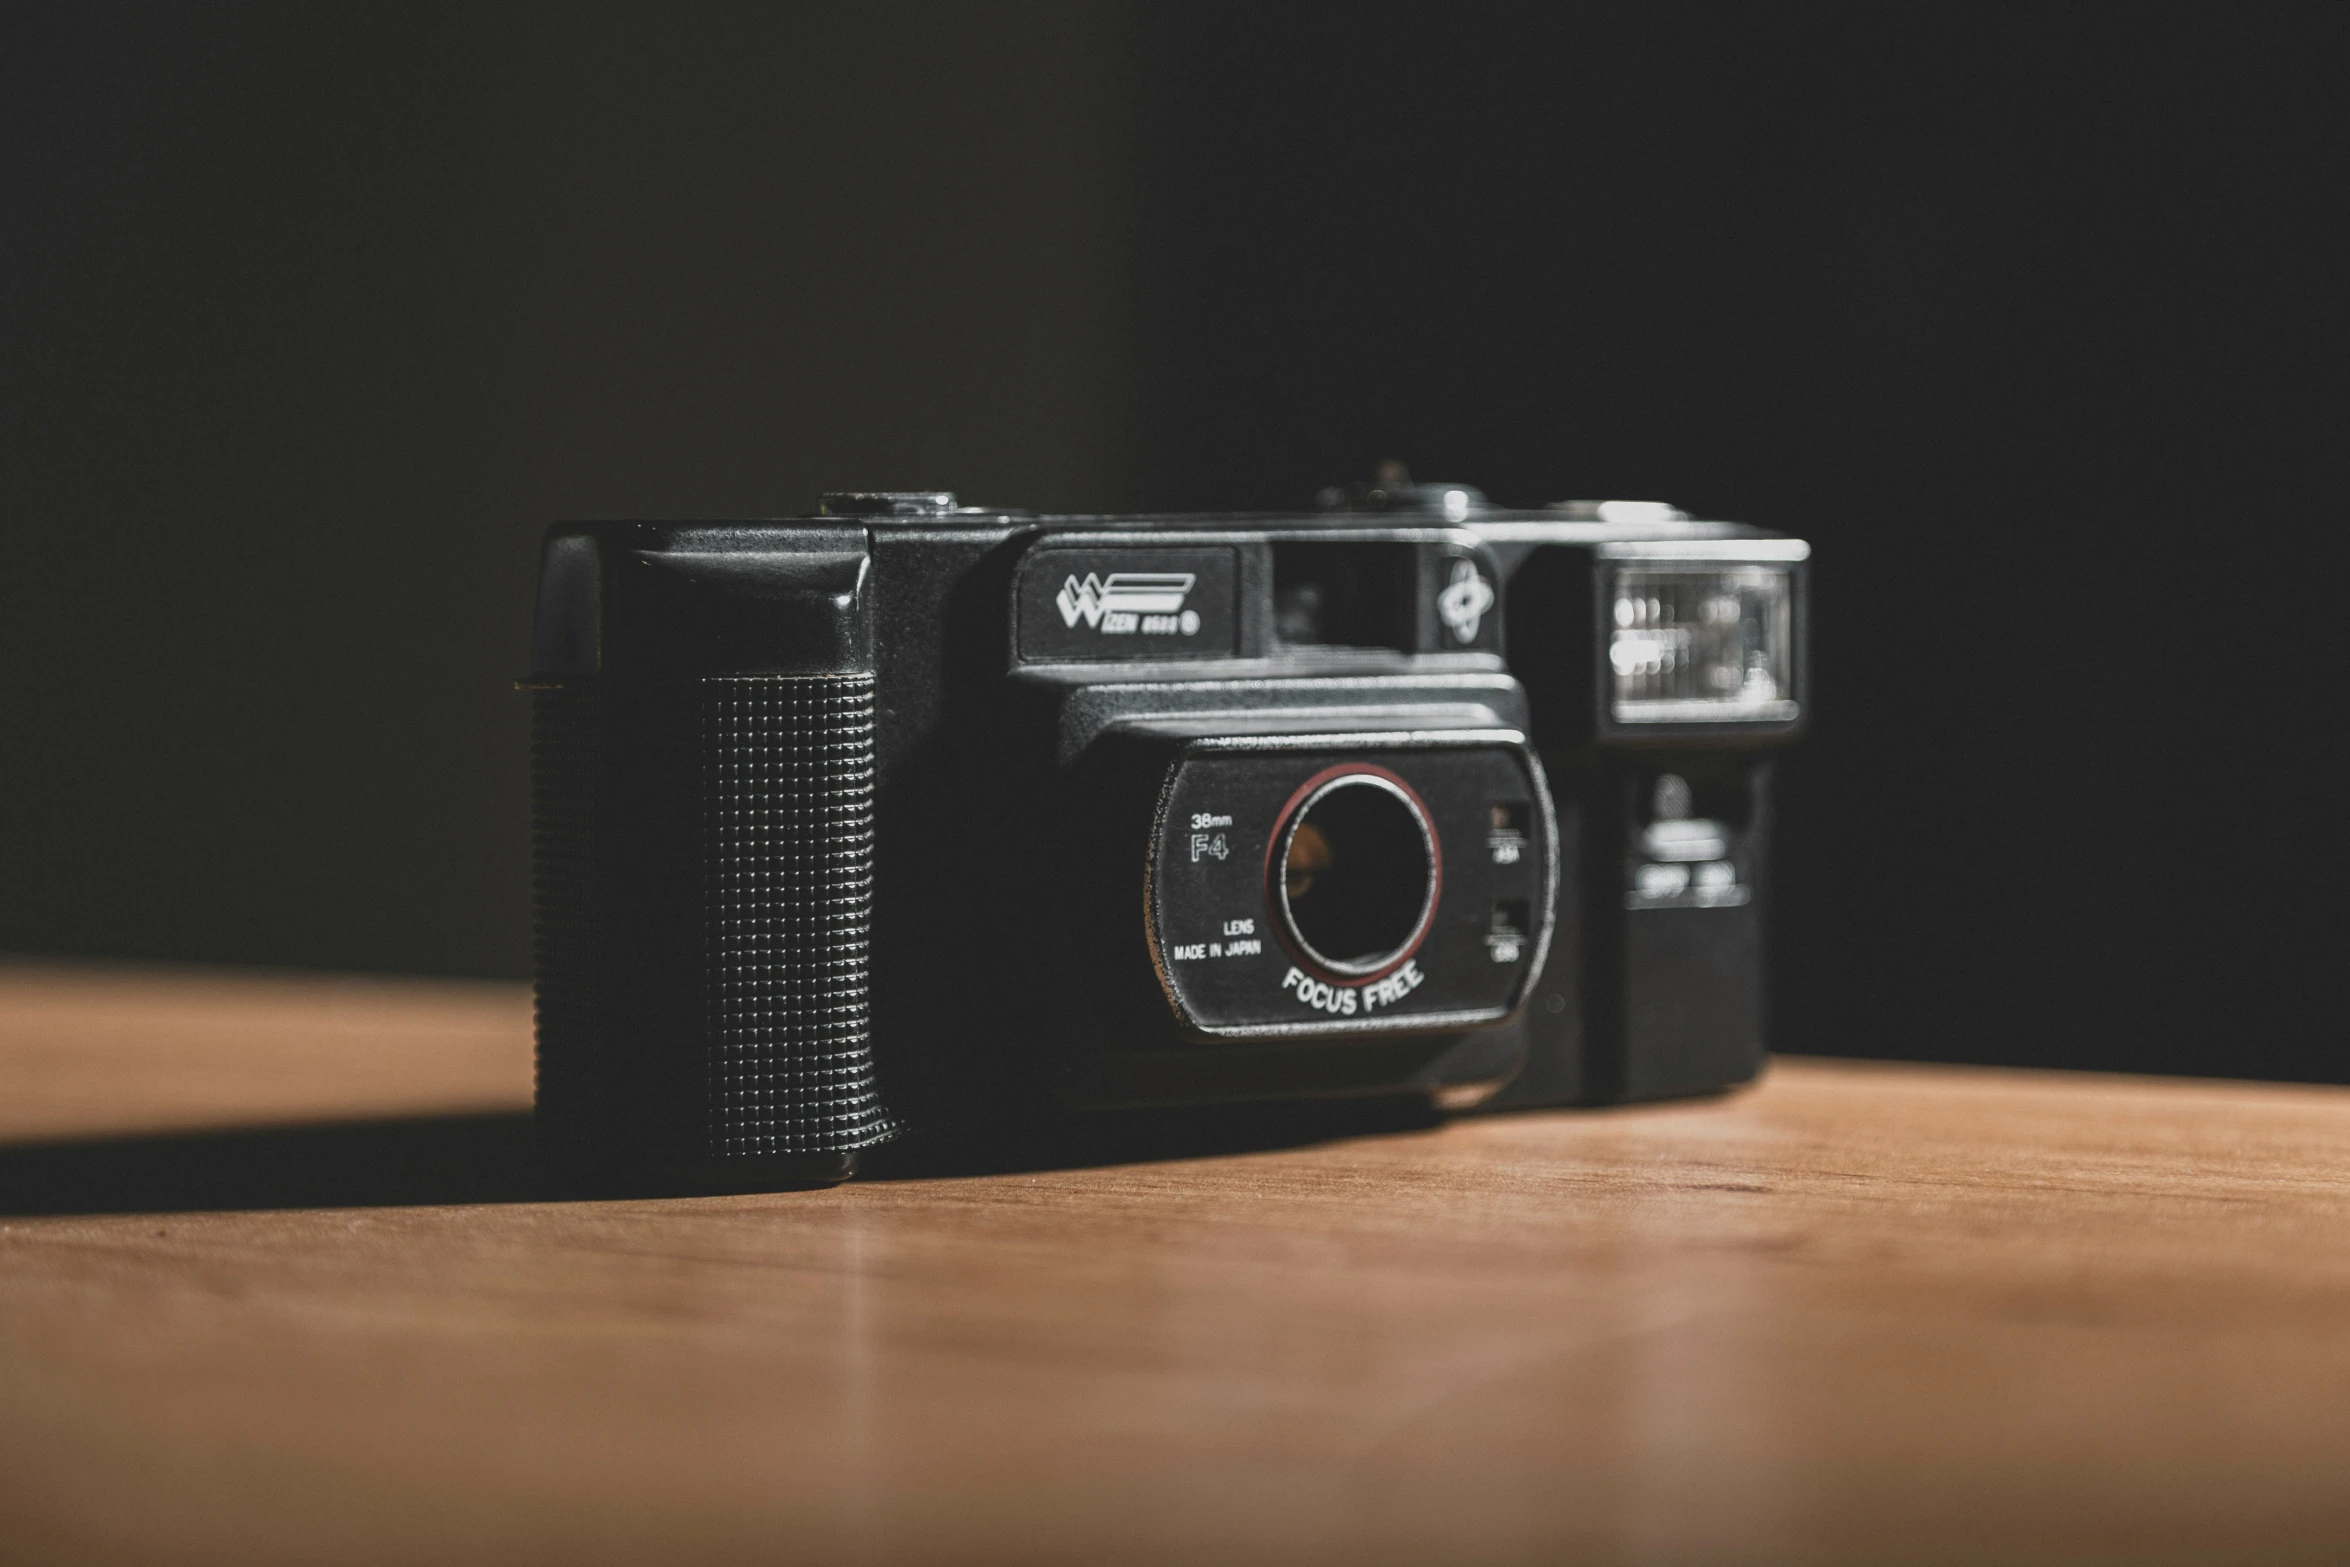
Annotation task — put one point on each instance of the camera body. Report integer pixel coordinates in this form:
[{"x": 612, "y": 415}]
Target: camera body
[
  {"x": 911, "y": 814},
  {"x": 918, "y": 814}
]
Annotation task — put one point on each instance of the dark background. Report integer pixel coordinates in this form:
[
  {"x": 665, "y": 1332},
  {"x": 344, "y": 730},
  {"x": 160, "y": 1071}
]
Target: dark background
[{"x": 310, "y": 318}]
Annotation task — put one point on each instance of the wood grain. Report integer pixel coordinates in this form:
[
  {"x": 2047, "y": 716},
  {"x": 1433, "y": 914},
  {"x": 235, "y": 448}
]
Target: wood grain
[
  {"x": 88, "y": 1049},
  {"x": 1861, "y": 1313}
]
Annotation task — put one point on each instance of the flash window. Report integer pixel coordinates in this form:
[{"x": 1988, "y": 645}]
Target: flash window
[{"x": 1702, "y": 645}]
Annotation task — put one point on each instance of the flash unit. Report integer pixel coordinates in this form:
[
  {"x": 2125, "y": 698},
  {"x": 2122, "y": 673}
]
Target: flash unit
[{"x": 1702, "y": 643}]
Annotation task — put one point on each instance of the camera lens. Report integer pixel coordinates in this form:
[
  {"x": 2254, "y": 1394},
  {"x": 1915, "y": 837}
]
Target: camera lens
[{"x": 1357, "y": 876}]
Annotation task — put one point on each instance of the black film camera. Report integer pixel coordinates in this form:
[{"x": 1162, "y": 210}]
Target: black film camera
[{"x": 916, "y": 814}]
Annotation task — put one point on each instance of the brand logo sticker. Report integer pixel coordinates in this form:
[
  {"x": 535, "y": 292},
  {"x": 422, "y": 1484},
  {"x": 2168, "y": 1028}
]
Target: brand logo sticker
[
  {"x": 1146, "y": 603},
  {"x": 1465, "y": 601},
  {"x": 1129, "y": 600}
]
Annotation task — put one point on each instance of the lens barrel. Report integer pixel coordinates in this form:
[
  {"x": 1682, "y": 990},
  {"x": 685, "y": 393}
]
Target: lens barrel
[{"x": 1355, "y": 872}]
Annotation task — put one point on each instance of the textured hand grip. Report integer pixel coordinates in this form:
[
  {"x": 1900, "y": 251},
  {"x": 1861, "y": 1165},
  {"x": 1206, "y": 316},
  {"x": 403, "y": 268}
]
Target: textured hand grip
[
  {"x": 703, "y": 857},
  {"x": 787, "y": 904}
]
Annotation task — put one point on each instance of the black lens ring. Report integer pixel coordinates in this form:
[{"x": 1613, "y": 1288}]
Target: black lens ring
[{"x": 1277, "y": 888}]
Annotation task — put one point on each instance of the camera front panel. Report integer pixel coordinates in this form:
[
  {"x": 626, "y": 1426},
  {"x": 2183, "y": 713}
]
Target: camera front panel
[{"x": 1305, "y": 888}]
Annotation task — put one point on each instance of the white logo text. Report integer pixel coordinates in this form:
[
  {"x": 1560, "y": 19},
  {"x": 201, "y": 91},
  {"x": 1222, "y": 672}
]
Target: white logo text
[{"x": 1129, "y": 602}]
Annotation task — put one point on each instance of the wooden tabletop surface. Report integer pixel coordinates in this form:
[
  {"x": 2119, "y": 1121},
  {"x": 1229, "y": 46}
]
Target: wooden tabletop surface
[{"x": 275, "y": 1287}]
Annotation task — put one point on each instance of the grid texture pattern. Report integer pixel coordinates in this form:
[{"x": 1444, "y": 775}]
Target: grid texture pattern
[{"x": 787, "y": 899}]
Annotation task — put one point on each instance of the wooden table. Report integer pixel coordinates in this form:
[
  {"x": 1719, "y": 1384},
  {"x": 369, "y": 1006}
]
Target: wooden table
[{"x": 274, "y": 1288}]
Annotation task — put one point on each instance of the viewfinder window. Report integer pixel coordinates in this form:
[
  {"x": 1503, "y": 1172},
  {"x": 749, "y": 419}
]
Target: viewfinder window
[{"x": 1352, "y": 595}]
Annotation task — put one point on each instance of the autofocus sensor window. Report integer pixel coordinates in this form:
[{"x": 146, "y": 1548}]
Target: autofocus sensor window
[{"x": 1356, "y": 871}]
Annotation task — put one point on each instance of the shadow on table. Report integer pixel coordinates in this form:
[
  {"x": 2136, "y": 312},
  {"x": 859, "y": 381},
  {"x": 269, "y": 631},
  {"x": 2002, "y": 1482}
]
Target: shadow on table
[
  {"x": 422, "y": 1161},
  {"x": 1146, "y": 1137},
  {"x": 391, "y": 1163}
]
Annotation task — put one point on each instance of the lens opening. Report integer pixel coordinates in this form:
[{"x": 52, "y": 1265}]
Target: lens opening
[{"x": 1355, "y": 871}]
